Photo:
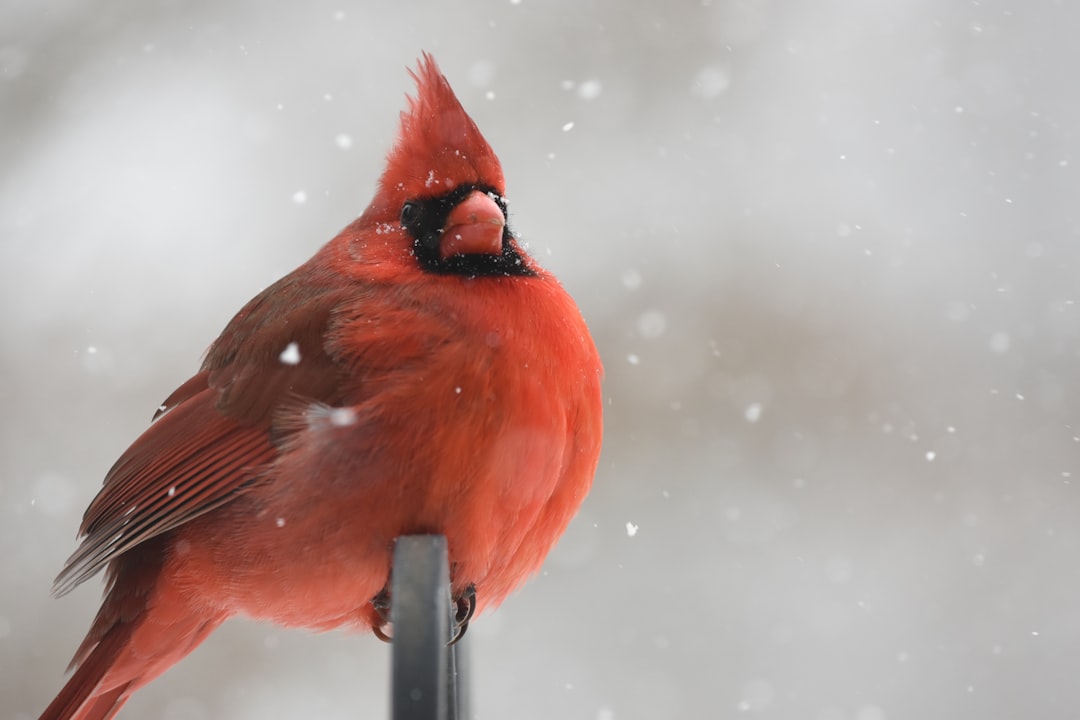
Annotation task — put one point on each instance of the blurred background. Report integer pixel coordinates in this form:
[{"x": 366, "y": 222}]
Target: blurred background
[{"x": 830, "y": 253}]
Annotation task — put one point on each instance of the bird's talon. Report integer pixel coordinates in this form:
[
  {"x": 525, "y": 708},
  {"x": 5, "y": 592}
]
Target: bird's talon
[
  {"x": 459, "y": 632},
  {"x": 381, "y": 634},
  {"x": 464, "y": 607},
  {"x": 381, "y": 604}
]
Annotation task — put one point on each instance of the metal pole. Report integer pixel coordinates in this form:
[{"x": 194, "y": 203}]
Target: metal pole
[{"x": 426, "y": 677}]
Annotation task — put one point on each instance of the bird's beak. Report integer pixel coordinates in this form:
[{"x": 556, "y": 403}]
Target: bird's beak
[{"x": 474, "y": 227}]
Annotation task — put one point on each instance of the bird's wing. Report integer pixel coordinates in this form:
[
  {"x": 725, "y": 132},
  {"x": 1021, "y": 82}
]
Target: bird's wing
[{"x": 212, "y": 438}]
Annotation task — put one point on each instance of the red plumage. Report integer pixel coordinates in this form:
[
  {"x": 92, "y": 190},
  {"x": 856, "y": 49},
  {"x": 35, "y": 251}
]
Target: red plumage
[{"x": 420, "y": 374}]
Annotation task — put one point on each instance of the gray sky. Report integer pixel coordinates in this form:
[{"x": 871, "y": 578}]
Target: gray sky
[{"x": 829, "y": 252}]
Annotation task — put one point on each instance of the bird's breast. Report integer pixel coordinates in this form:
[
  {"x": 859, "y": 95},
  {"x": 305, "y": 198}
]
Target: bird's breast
[{"x": 460, "y": 421}]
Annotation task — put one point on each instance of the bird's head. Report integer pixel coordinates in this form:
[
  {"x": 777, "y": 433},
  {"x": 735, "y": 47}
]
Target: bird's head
[{"x": 443, "y": 188}]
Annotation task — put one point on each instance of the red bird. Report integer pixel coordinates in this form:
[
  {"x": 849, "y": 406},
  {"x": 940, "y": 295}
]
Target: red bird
[{"x": 419, "y": 374}]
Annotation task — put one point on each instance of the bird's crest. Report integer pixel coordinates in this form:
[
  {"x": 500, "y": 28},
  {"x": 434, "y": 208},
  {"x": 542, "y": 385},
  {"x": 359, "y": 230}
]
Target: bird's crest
[{"x": 439, "y": 146}]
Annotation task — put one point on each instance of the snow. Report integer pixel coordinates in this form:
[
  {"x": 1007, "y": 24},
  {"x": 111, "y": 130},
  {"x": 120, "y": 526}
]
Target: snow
[
  {"x": 589, "y": 90},
  {"x": 652, "y": 324},
  {"x": 711, "y": 81},
  {"x": 699, "y": 214},
  {"x": 342, "y": 417},
  {"x": 290, "y": 355}
]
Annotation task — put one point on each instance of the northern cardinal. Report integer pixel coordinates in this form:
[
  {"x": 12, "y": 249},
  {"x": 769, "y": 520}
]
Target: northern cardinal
[{"x": 419, "y": 374}]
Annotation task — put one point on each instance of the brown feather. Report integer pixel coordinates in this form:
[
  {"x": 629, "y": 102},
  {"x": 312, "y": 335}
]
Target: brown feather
[{"x": 214, "y": 435}]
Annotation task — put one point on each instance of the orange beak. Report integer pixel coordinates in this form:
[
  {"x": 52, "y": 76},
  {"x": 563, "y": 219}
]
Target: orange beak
[{"x": 474, "y": 227}]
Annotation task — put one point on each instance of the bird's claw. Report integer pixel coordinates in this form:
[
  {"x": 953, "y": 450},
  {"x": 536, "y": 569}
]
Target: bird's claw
[
  {"x": 381, "y": 604},
  {"x": 464, "y": 607}
]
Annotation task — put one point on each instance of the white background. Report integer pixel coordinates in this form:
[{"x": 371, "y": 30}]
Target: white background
[{"x": 830, "y": 252}]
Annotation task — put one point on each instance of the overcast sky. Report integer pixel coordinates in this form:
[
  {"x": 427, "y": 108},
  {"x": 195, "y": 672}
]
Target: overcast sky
[{"x": 830, "y": 252}]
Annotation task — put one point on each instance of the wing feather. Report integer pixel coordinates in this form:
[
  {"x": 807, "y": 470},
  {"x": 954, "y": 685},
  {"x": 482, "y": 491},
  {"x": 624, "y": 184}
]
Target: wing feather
[
  {"x": 215, "y": 435},
  {"x": 190, "y": 461}
]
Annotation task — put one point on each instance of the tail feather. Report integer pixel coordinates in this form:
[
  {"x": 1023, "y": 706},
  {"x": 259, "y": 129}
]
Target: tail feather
[
  {"x": 81, "y": 697},
  {"x": 103, "y": 707},
  {"x": 120, "y": 664},
  {"x": 145, "y": 626}
]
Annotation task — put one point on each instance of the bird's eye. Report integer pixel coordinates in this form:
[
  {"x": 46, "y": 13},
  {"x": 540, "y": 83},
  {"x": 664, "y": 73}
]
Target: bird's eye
[{"x": 410, "y": 213}]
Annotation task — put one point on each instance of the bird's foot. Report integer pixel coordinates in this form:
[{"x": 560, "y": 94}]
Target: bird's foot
[
  {"x": 381, "y": 605},
  {"x": 464, "y": 607}
]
